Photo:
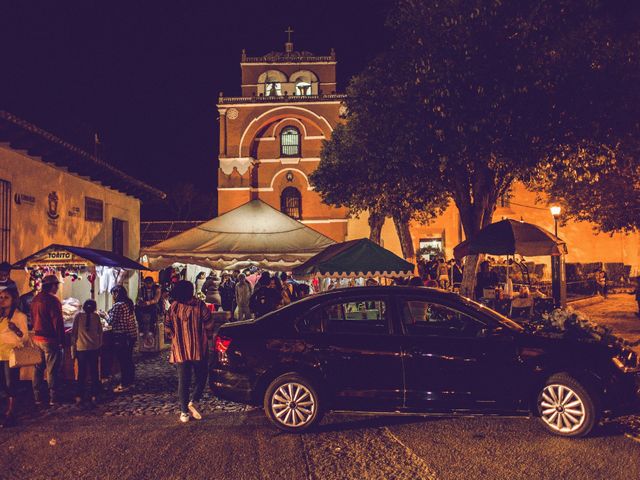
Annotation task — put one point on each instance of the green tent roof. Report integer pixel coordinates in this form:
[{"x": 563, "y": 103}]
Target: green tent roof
[{"x": 355, "y": 258}]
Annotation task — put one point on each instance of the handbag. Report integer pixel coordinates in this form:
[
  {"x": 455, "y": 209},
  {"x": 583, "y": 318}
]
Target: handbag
[{"x": 25, "y": 355}]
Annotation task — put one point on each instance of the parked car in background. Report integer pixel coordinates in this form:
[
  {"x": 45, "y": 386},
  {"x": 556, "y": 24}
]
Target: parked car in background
[{"x": 420, "y": 351}]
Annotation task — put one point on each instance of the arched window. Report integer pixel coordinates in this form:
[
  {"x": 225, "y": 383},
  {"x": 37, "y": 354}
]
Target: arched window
[
  {"x": 290, "y": 142},
  {"x": 305, "y": 83},
  {"x": 291, "y": 202}
]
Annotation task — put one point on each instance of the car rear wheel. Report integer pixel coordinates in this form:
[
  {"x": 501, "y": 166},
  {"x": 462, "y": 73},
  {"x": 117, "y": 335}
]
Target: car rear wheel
[
  {"x": 292, "y": 404},
  {"x": 566, "y": 407}
]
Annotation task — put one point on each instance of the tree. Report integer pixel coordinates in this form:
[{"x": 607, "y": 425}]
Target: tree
[
  {"x": 359, "y": 166},
  {"x": 602, "y": 189},
  {"x": 486, "y": 90}
]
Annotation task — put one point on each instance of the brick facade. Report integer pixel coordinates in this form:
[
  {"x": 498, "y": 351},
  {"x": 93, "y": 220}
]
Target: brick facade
[{"x": 280, "y": 91}]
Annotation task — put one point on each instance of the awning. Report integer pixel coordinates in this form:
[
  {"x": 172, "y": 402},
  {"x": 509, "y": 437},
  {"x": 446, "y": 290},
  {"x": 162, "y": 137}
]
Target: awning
[
  {"x": 509, "y": 237},
  {"x": 355, "y": 258},
  {"x": 252, "y": 234},
  {"x": 66, "y": 256}
]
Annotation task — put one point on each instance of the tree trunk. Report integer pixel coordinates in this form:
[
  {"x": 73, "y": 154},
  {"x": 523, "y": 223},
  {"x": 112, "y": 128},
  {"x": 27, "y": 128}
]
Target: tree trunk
[
  {"x": 404, "y": 234},
  {"x": 376, "y": 221},
  {"x": 474, "y": 218}
]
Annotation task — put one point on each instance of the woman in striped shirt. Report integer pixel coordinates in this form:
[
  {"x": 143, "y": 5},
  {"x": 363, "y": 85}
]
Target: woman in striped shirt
[{"x": 189, "y": 323}]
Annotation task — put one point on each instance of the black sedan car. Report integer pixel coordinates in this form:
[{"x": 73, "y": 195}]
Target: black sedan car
[{"x": 415, "y": 350}]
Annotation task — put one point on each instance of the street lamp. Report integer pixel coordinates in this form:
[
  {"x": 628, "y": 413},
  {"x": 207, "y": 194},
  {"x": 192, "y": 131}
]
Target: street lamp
[
  {"x": 556, "y": 210},
  {"x": 558, "y": 282}
]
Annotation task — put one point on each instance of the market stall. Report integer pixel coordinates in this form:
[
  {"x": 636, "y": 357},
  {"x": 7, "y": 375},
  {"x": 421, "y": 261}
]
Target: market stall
[
  {"x": 84, "y": 273},
  {"x": 510, "y": 238},
  {"x": 353, "y": 262}
]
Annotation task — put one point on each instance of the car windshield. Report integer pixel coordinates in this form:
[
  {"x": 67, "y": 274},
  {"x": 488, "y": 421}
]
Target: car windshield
[{"x": 492, "y": 313}]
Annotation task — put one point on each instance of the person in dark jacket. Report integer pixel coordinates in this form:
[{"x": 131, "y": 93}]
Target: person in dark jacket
[
  {"x": 48, "y": 329},
  {"x": 266, "y": 297},
  {"x": 228, "y": 294}
]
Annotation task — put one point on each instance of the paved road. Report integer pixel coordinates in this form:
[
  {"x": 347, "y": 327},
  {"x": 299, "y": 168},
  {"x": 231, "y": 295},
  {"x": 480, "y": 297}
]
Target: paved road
[{"x": 244, "y": 446}]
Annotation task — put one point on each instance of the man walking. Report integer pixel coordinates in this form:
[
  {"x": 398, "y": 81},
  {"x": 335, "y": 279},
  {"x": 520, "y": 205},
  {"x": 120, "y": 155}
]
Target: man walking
[{"x": 48, "y": 329}]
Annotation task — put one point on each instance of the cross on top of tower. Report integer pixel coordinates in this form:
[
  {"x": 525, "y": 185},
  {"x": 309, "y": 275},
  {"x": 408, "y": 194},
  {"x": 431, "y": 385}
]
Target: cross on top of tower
[{"x": 288, "y": 47}]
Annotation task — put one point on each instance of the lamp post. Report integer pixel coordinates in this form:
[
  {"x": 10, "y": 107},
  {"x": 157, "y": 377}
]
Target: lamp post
[{"x": 558, "y": 281}]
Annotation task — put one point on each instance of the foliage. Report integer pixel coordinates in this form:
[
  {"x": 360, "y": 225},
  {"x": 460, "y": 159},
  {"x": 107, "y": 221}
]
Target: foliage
[
  {"x": 472, "y": 95},
  {"x": 601, "y": 189},
  {"x": 573, "y": 324}
]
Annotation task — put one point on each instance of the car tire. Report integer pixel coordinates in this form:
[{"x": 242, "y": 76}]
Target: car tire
[
  {"x": 567, "y": 407},
  {"x": 292, "y": 403}
]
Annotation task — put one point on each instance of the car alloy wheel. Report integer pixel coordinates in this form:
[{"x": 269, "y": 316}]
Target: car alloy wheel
[
  {"x": 561, "y": 408},
  {"x": 293, "y": 404}
]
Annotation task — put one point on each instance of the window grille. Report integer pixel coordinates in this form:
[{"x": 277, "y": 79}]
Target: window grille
[
  {"x": 291, "y": 203},
  {"x": 290, "y": 142},
  {"x": 93, "y": 209}
]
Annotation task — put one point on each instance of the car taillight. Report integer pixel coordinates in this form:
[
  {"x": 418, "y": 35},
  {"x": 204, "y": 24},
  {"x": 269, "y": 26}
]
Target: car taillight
[{"x": 222, "y": 343}]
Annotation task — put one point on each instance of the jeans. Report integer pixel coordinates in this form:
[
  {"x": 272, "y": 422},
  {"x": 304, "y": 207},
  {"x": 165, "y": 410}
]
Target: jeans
[
  {"x": 184, "y": 381},
  {"x": 51, "y": 362},
  {"x": 9, "y": 382},
  {"x": 88, "y": 366},
  {"x": 124, "y": 354}
]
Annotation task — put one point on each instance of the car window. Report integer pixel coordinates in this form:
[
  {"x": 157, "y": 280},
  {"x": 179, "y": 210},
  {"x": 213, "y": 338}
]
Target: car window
[
  {"x": 357, "y": 316},
  {"x": 426, "y": 318}
]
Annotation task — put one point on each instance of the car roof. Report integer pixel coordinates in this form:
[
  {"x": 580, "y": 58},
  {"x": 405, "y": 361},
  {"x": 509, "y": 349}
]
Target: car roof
[{"x": 434, "y": 293}]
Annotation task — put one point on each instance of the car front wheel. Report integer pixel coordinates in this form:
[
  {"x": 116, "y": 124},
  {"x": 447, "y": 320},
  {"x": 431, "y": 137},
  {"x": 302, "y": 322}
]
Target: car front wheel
[
  {"x": 566, "y": 407},
  {"x": 292, "y": 404}
]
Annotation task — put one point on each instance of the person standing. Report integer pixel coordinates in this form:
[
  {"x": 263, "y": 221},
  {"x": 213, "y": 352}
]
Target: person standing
[
  {"x": 48, "y": 336},
  {"x": 5, "y": 276},
  {"x": 200, "y": 279},
  {"x": 210, "y": 289},
  {"x": 243, "y": 297},
  {"x": 123, "y": 323},
  {"x": 24, "y": 304},
  {"x": 86, "y": 338},
  {"x": 266, "y": 296},
  {"x": 228, "y": 294},
  {"x": 601, "y": 282},
  {"x": 189, "y": 323},
  {"x": 13, "y": 332},
  {"x": 147, "y": 306}
]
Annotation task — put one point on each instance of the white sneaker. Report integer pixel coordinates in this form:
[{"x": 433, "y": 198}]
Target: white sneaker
[
  {"x": 194, "y": 411},
  {"x": 184, "y": 417}
]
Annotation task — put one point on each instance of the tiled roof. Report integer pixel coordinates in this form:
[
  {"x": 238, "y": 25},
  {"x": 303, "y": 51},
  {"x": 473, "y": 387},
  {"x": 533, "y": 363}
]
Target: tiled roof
[{"x": 22, "y": 135}]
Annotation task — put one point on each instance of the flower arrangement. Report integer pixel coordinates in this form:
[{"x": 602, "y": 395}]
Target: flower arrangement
[{"x": 570, "y": 323}]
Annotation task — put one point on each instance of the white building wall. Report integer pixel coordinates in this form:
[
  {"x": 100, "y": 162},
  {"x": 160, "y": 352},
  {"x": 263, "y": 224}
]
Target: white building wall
[{"x": 32, "y": 229}]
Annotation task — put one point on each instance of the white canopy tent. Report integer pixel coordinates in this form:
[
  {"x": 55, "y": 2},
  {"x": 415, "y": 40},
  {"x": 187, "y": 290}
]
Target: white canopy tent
[{"x": 253, "y": 234}]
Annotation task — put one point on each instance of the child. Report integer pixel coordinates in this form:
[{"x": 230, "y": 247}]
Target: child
[{"x": 86, "y": 339}]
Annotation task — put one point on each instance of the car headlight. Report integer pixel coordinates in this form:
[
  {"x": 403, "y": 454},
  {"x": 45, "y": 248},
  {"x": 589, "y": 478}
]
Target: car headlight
[{"x": 627, "y": 361}]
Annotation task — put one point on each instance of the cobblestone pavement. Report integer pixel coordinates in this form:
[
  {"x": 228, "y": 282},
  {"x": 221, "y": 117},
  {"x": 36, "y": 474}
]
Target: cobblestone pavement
[{"x": 155, "y": 393}]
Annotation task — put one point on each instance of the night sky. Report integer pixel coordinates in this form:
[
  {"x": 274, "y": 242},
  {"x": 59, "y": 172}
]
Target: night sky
[{"x": 147, "y": 76}]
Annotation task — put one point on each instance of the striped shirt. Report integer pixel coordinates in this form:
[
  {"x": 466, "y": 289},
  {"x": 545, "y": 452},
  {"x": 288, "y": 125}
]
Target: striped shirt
[
  {"x": 188, "y": 325},
  {"x": 123, "y": 320}
]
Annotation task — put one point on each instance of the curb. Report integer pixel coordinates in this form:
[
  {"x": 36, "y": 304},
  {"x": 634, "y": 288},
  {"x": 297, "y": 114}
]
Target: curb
[{"x": 586, "y": 302}]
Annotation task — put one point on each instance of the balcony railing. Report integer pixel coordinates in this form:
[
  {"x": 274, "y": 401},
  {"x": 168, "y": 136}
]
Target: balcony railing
[{"x": 282, "y": 98}]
